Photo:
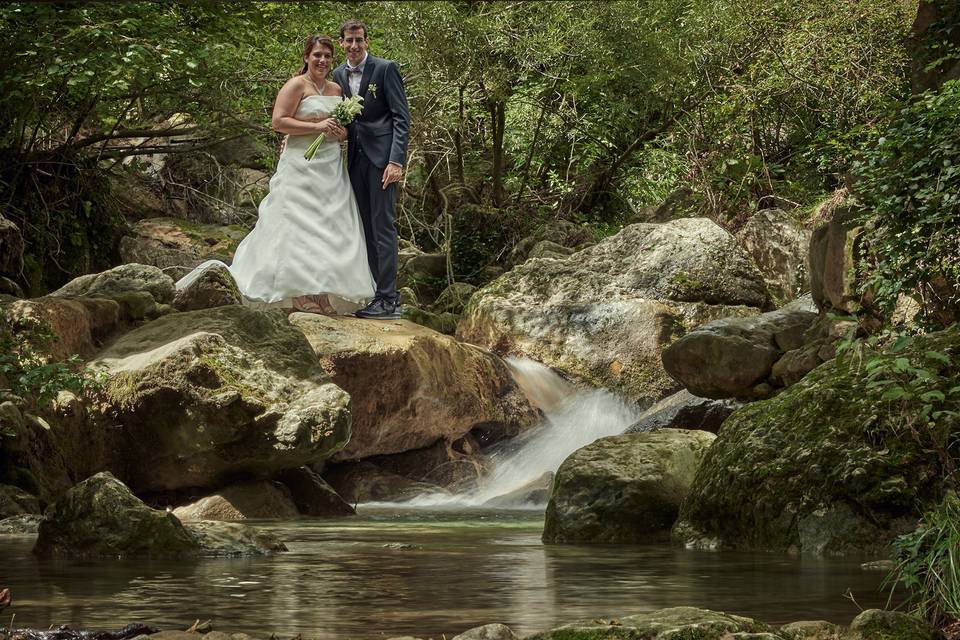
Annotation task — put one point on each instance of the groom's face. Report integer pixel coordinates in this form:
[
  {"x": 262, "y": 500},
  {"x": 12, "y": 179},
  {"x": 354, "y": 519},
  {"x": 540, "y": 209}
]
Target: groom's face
[{"x": 354, "y": 43}]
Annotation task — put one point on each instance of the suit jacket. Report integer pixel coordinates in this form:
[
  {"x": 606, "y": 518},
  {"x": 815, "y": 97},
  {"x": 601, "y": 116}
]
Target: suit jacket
[{"x": 381, "y": 131}]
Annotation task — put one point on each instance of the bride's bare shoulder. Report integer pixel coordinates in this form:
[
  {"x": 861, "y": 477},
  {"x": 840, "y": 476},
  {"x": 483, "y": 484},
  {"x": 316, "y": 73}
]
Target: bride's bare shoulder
[{"x": 333, "y": 89}]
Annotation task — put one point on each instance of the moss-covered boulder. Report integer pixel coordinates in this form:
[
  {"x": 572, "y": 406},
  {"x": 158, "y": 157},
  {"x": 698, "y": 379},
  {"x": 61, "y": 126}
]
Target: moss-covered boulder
[
  {"x": 174, "y": 242},
  {"x": 604, "y": 314},
  {"x": 205, "y": 396},
  {"x": 829, "y": 465},
  {"x": 624, "y": 489},
  {"x": 142, "y": 291},
  {"x": 877, "y": 624},
  {"x": 101, "y": 517},
  {"x": 675, "y": 623},
  {"x": 412, "y": 387}
]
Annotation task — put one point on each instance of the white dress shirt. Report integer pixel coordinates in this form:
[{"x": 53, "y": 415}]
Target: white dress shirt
[{"x": 354, "y": 78}]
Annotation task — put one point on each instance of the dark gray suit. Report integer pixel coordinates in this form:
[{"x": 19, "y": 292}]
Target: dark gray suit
[{"x": 377, "y": 137}]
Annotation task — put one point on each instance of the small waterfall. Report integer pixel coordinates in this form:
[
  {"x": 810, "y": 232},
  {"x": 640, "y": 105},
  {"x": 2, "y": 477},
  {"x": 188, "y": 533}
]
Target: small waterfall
[{"x": 573, "y": 418}]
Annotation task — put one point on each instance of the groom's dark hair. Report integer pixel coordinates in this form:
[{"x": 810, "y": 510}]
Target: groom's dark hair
[{"x": 352, "y": 24}]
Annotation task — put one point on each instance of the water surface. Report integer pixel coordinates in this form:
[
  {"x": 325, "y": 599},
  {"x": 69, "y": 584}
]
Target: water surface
[{"x": 425, "y": 573}]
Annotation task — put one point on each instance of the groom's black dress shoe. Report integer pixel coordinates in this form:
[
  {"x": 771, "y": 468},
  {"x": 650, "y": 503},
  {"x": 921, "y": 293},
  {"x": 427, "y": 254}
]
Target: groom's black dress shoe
[{"x": 380, "y": 309}]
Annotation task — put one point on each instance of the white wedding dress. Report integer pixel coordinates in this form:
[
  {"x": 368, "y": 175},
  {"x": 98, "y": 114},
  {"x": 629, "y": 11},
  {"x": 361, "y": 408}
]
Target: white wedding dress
[{"x": 308, "y": 238}]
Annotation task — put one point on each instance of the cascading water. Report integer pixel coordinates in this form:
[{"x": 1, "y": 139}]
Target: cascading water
[{"x": 573, "y": 418}]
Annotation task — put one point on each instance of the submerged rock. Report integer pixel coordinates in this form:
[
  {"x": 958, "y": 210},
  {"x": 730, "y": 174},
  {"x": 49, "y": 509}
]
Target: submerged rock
[
  {"x": 101, "y": 517},
  {"x": 675, "y": 623},
  {"x": 625, "y": 488},
  {"x": 410, "y": 386},
  {"x": 208, "y": 395},
  {"x": 826, "y": 467},
  {"x": 606, "y": 313}
]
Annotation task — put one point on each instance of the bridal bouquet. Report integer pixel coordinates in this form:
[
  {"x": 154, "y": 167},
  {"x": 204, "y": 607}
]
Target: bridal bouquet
[{"x": 343, "y": 113}]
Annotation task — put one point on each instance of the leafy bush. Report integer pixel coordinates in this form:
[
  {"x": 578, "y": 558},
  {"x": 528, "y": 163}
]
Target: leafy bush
[
  {"x": 928, "y": 563},
  {"x": 909, "y": 199},
  {"x": 28, "y": 372}
]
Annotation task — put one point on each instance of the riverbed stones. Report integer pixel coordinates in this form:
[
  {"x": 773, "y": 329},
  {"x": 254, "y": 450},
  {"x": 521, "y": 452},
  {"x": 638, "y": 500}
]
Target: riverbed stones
[
  {"x": 101, "y": 517},
  {"x": 411, "y": 387},
  {"x": 604, "y": 314},
  {"x": 247, "y": 500},
  {"x": 728, "y": 358},
  {"x": 665, "y": 624},
  {"x": 204, "y": 396},
  {"x": 826, "y": 467},
  {"x": 624, "y": 489}
]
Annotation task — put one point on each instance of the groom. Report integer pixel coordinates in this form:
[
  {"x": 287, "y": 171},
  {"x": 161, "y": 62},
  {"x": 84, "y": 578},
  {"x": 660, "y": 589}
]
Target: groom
[{"x": 376, "y": 152}]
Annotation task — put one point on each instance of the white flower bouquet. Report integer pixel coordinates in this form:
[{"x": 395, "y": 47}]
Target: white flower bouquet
[{"x": 344, "y": 113}]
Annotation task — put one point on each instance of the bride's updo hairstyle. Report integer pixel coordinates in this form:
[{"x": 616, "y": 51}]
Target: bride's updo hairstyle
[{"x": 313, "y": 41}]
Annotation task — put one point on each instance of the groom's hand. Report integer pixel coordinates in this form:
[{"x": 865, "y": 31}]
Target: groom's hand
[{"x": 391, "y": 174}]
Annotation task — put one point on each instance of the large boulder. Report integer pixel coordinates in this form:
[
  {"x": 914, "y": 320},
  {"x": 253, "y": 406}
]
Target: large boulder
[
  {"x": 605, "y": 313},
  {"x": 727, "y": 358},
  {"x": 101, "y": 517},
  {"x": 832, "y": 257},
  {"x": 828, "y": 466},
  {"x": 675, "y": 623},
  {"x": 207, "y": 395},
  {"x": 779, "y": 247},
  {"x": 215, "y": 287},
  {"x": 624, "y": 489},
  {"x": 173, "y": 242},
  {"x": 411, "y": 386}
]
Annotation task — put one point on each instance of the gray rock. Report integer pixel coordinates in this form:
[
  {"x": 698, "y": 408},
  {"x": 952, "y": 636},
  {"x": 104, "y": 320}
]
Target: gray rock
[
  {"x": 810, "y": 629},
  {"x": 101, "y": 517},
  {"x": 606, "y": 313},
  {"x": 173, "y": 242},
  {"x": 248, "y": 500},
  {"x": 116, "y": 283},
  {"x": 683, "y": 410},
  {"x": 214, "y": 288},
  {"x": 624, "y": 489},
  {"x": 832, "y": 264},
  {"x": 779, "y": 247},
  {"x": 208, "y": 395},
  {"x": 360, "y": 482},
  {"x": 727, "y": 358},
  {"x": 445, "y": 323},
  {"x": 312, "y": 495},
  {"x": 488, "y": 632},
  {"x": 534, "y": 493},
  {"x": 548, "y": 249}
]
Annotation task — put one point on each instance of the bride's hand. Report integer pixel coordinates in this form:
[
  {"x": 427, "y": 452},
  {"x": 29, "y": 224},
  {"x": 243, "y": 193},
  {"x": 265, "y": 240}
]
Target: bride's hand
[{"x": 332, "y": 128}]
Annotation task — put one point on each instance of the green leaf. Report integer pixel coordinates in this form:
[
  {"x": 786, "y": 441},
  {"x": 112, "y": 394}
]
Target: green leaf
[
  {"x": 930, "y": 396},
  {"x": 894, "y": 393}
]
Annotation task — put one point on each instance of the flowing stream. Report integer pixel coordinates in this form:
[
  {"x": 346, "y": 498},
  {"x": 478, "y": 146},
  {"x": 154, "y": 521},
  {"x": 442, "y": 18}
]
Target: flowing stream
[{"x": 573, "y": 418}]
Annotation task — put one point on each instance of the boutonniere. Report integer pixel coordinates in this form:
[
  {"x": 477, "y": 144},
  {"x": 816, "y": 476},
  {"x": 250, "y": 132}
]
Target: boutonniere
[{"x": 373, "y": 89}]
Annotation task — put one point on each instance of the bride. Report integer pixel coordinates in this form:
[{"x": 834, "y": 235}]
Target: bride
[{"x": 307, "y": 250}]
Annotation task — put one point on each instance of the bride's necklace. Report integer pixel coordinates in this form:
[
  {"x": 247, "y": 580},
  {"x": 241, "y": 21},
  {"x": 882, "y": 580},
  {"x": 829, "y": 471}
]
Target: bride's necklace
[{"x": 315, "y": 87}]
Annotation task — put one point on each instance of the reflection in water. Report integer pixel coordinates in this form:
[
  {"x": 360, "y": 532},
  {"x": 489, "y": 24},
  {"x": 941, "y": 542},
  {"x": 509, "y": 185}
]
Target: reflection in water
[{"x": 444, "y": 571}]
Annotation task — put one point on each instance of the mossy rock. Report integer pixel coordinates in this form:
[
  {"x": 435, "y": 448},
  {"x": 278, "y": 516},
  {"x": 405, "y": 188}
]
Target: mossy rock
[
  {"x": 676, "y": 623},
  {"x": 827, "y": 466},
  {"x": 877, "y": 624}
]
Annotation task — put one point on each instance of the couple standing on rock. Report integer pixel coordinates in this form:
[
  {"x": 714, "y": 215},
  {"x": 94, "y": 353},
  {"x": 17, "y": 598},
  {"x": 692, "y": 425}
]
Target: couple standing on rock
[{"x": 325, "y": 239}]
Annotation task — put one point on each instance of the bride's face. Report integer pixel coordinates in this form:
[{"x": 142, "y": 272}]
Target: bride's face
[{"x": 320, "y": 60}]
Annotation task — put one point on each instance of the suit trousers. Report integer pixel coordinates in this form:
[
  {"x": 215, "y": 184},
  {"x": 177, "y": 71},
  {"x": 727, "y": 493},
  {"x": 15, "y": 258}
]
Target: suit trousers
[{"x": 377, "y": 206}]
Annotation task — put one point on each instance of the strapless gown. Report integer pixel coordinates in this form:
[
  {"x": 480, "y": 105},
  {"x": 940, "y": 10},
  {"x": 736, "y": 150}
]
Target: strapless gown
[{"x": 308, "y": 238}]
